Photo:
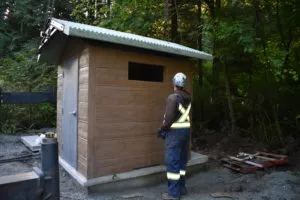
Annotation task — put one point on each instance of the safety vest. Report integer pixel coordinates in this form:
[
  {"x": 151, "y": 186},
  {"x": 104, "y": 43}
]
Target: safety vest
[{"x": 184, "y": 119}]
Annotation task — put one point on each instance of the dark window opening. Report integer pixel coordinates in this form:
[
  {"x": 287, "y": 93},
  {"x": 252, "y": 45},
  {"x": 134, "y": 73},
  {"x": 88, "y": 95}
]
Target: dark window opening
[{"x": 145, "y": 72}]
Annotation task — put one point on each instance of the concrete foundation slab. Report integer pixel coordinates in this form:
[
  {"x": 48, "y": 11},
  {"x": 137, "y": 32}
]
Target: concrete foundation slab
[
  {"x": 133, "y": 179},
  {"x": 32, "y": 142}
]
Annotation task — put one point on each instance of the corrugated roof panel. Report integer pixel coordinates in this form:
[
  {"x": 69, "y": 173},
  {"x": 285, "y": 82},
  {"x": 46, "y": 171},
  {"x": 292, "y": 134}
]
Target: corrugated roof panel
[{"x": 107, "y": 35}]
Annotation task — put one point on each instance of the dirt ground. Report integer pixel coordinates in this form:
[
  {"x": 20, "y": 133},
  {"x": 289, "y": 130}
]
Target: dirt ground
[{"x": 279, "y": 183}]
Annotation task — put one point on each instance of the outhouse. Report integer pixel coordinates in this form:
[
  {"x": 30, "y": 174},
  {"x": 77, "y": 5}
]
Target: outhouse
[{"x": 111, "y": 93}]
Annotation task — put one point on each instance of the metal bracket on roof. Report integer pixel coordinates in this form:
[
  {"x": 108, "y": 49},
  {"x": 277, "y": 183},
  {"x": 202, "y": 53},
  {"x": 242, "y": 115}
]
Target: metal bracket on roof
[
  {"x": 57, "y": 25},
  {"x": 45, "y": 35}
]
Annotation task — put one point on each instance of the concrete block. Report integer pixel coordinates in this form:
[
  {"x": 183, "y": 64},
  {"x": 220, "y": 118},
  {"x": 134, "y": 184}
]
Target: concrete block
[
  {"x": 31, "y": 142},
  {"x": 20, "y": 186}
]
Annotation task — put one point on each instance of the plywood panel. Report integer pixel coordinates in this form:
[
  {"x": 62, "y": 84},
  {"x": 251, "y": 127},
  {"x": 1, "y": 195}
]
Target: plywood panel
[
  {"x": 83, "y": 95},
  {"x": 59, "y": 106},
  {"x": 125, "y": 129},
  {"x": 82, "y": 165},
  {"x": 104, "y": 58},
  {"x": 83, "y": 75},
  {"x": 110, "y": 74},
  {"x": 119, "y": 148},
  {"x": 134, "y": 84},
  {"x": 82, "y": 147},
  {"x": 129, "y": 113},
  {"x": 82, "y": 169},
  {"x": 125, "y": 164},
  {"x": 108, "y": 95},
  {"x": 83, "y": 111},
  {"x": 83, "y": 88},
  {"x": 91, "y": 112},
  {"x": 145, "y": 158},
  {"x": 116, "y": 58},
  {"x": 84, "y": 58},
  {"x": 83, "y": 129}
]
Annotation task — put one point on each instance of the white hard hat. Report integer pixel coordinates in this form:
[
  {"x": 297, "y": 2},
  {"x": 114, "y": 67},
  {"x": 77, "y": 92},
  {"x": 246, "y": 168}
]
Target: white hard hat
[{"x": 179, "y": 79}]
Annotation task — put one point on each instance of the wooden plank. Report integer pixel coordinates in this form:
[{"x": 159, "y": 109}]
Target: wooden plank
[
  {"x": 103, "y": 57},
  {"x": 82, "y": 147},
  {"x": 82, "y": 160},
  {"x": 110, "y": 74},
  {"x": 91, "y": 112},
  {"x": 125, "y": 129},
  {"x": 83, "y": 129},
  {"x": 84, "y": 58},
  {"x": 129, "y": 113},
  {"x": 116, "y": 58},
  {"x": 107, "y": 95},
  {"x": 59, "y": 83},
  {"x": 136, "y": 84},
  {"x": 83, "y": 75},
  {"x": 82, "y": 169},
  {"x": 83, "y": 86},
  {"x": 83, "y": 95},
  {"x": 125, "y": 164},
  {"x": 59, "y": 95},
  {"x": 127, "y": 147},
  {"x": 59, "y": 107},
  {"x": 83, "y": 111}
]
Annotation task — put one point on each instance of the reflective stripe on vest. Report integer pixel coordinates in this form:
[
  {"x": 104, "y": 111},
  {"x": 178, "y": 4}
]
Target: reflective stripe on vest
[{"x": 184, "y": 120}]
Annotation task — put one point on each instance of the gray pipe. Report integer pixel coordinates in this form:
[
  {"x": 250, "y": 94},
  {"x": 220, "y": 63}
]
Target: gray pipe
[{"x": 50, "y": 168}]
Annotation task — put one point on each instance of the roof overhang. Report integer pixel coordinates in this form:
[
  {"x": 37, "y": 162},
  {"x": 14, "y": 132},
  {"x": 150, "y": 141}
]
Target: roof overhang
[{"x": 55, "y": 37}]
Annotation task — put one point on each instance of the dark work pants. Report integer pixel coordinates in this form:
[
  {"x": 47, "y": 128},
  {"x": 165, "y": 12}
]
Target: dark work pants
[{"x": 176, "y": 156}]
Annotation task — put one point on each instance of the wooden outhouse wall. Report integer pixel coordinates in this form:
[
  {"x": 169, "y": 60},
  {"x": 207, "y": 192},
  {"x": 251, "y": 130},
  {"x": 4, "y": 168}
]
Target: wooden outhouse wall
[
  {"x": 125, "y": 114},
  {"x": 117, "y": 118}
]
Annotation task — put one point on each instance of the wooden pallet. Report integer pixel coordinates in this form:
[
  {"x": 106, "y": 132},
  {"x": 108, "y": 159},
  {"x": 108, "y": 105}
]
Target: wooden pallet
[{"x": 245, "y": 163}]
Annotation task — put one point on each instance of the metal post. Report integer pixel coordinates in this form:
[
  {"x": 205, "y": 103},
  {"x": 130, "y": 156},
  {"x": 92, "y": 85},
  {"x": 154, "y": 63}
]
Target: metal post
[{"x": 50, "y": 168}]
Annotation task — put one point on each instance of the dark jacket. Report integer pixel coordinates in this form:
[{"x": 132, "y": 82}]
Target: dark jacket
[{"x": 172, "y": 113}]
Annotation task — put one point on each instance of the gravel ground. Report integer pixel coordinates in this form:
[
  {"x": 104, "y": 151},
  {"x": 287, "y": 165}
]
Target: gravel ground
[{"x": 274, "y": 184}]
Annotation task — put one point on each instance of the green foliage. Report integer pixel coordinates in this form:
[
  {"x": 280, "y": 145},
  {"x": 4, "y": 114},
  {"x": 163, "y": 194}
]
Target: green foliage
[
  {"x": 23, "y": 20},
  {"x": 20, "y": 25},
  {"x": 21, "y": 72}
]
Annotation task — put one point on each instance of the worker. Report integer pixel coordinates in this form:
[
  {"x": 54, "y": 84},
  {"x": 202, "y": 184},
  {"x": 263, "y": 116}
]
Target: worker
[{"x": 175, "y": 130}]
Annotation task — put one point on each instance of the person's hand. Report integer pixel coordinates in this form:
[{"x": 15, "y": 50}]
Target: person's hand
[{"x": 161, "y": 134}]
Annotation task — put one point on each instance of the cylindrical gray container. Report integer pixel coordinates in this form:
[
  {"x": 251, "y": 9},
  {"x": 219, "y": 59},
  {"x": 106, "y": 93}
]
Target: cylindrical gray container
[{"x": 50, "y": 167}]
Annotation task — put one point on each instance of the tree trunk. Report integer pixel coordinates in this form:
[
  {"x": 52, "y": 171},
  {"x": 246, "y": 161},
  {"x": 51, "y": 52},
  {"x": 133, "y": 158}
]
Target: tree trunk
[
  {"x": 109, "y": 7},
  {"x": 213, "y": 6},
  {"x": 166, "y": 10},
  {"x": 200, "y": 66},
  {"x": 277, "y": 124},
  {"x": 174, "y": 22},
  {"x": 229, "y": 101}
]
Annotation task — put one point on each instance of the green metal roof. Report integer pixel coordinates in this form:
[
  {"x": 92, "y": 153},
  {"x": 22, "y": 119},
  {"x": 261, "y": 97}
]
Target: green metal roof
[{"x": 102, "y": 34}]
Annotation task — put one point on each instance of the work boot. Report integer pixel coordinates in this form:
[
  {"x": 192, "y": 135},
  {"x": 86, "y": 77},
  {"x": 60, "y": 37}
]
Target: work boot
[{"x": 166, "y": 196}]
